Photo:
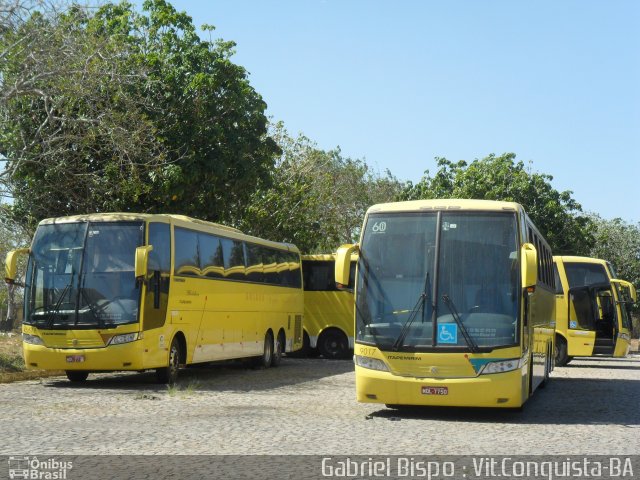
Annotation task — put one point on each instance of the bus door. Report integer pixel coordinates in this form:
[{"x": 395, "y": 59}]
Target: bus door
[{"x": 581, "y": 322}]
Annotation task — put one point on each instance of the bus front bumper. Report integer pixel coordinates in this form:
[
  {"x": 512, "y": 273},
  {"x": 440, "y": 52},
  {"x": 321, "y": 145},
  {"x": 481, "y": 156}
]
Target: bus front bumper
[
  {"x": 127, "y": 356},
  {"x": 504, "y": 390}
]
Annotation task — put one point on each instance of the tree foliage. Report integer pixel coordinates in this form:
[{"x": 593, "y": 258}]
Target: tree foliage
[
  {"x": 556, "y": 214},
  {"x": 618, "y": 242},
  {"x": 116, "y": 110},
  {"x": 317, "y": 198}
]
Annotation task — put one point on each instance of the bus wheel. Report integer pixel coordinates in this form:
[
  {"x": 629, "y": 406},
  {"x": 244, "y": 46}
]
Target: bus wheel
[
  {"x": 333, "y": 344},
  {"x": 561, "y": 356},
  {"x": 264, "y": 361},
  {"x": 169, "y": 374},
  {"x": 278, "y": 349},
  {"x": 76, "y": 375}
]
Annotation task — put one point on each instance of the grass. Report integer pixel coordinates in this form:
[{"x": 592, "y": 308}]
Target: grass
[{"x": 12, "y": 367}]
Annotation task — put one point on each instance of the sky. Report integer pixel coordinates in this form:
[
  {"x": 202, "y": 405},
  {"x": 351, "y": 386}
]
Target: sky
[{"x": 398, "y": 83}]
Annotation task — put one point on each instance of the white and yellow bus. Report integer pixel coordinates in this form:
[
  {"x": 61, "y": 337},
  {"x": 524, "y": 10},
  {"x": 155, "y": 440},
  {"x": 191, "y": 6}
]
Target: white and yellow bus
[
  {"x": 328, "y": 311},
  {"x": 593, "y": 309},
  {"x": 454, "y": 304},
  {"x": 125, "y": 291}
]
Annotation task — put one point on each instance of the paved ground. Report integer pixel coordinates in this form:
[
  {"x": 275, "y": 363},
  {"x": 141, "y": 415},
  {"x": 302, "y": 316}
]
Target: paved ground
[{"x": 307, "y": 406}]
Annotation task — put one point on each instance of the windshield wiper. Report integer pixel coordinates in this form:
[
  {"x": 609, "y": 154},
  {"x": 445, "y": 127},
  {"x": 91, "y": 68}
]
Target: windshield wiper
[
  {"x": 56, "y": 308},
  {"x": 465, "y": 333},
  {"x": 422, "y": 300}
]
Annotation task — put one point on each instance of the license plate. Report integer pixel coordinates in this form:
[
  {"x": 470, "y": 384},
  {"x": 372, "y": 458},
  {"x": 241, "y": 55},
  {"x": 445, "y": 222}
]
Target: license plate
[
  {"x": 75, "y": 358},
  {"x": 435, "y": 390}
]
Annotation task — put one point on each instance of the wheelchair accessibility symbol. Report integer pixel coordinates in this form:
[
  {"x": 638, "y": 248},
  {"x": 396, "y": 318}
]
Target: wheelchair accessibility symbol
[{"x": 448, "y": 333}]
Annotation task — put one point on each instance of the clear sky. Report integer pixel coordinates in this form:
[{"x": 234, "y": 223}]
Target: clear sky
[{"x": 398, "y": 83}]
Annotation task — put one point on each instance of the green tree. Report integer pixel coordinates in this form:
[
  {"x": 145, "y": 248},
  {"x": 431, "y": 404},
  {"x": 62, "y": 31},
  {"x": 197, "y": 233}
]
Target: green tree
[
  {"x": 317, "y": 198},
  {"x": 556, "y": 214},
  {"x": 116, "y": 110}
]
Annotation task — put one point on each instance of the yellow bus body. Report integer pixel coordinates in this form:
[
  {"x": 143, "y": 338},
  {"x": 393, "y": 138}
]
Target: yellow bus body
[
  {"x": 213, "y": 318},
  {"x": 422, "y": 378},
  {"x": 582, "y": 342},
  {"x": 328, "y": 312}
]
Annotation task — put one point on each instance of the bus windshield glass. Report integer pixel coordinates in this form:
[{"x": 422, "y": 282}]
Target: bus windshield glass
[
  {"x": 81, "y": 275},
  {"x": 417, "y": 290},
  {"x": 585, "y": 274}
]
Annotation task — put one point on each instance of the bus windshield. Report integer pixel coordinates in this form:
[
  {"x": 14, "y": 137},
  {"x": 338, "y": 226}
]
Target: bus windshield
[
  {"x": 418, "y": 290},
  {"x": 81, "y": 275},
  {"x": 583, "y": 274}
]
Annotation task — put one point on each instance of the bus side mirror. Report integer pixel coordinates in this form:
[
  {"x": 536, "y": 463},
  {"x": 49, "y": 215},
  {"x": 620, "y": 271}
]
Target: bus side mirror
[
  {"x": 529, "y": 265},
  {"x": 11, "y": 264},
  {"x": 343, "y": 264},
  {"x": 142, "y": 260}
]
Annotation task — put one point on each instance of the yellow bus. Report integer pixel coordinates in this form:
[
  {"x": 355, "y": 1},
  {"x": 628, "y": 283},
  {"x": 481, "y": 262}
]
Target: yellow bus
[
  {"x": 593, "y": 309},
  {"x": 454, "y": 304},
  {"x": 328, "y": 311},
  {"x": 124, "y": 291}
]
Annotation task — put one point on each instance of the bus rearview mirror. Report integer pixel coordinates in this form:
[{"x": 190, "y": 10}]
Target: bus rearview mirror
[
  {"x": 529, "y": 265},
  {"x": 343, "y": 263},
  {"x": 142, "y": 260},
  {"x": 11, "y": 264}
]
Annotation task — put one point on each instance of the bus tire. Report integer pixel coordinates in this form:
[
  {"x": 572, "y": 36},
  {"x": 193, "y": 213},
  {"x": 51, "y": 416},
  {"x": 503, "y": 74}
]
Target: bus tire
[
  {"x": 561, "y": 357},
  {"x": 76, "y": 376},
  {"x": 333, "y": 344},
  {"x": 169, "y": 374},
  {"x": 278, "y": 350},
  {"x": 264, "y": 360}
]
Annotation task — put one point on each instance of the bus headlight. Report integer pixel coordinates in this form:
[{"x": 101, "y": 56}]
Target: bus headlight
[
  {"x": 124, "y": 338},
  {"x": 501, "y": 366},
  {"x": 32, "y": 339},
  {"x": 371, "y": 363}
]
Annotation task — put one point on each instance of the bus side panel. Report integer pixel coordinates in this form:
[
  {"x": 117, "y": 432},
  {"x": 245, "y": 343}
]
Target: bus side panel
[
  {"x": 623, "y": 344},
  {"x": 328, "y": 309},
  {"x": 542, "y": 305}
]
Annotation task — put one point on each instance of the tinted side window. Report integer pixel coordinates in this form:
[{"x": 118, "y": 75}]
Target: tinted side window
[
  {"x": 211, "y": 258},
  {"x": 318, "y": 276},
  {"x": 160, "y": 238},
  {"x": 187, "y": 258},
  {"x": 254, "y": 263}
]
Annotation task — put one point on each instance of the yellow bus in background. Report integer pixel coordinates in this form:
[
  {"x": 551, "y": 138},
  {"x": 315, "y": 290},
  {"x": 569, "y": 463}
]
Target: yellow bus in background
[
  {"x": 124, "y": 291},
  {"x": 328, "y": 311},
  {"x": 593, "y": 309},
  {"x": 454, "y": 304}
]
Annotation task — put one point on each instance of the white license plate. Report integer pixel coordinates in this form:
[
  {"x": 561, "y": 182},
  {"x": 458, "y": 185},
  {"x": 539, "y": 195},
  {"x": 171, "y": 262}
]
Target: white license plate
[
  {"x": 435, "y": 390},
  {"x": 75, "y": 358}
]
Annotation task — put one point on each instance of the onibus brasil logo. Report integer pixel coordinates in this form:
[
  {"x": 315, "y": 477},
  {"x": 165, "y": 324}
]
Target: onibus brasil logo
[{"x": 32, "y": 468}]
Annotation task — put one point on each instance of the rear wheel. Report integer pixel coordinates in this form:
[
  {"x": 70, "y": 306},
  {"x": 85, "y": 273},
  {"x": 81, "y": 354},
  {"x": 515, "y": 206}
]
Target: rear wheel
[
  {"x": 333, "y": 344},
  {"x": 169, "y": 374},
  {"x": 76, "y": 375},
  {"x": 278, "y": 350},
  {"x": 264, "y": 361},
  {"x": 561, "y": 357}
]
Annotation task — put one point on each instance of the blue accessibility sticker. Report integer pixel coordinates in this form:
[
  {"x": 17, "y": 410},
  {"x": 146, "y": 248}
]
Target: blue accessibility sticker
[
  {"x": 573, "y": 324},
  {"x": 448, "y": 333}
]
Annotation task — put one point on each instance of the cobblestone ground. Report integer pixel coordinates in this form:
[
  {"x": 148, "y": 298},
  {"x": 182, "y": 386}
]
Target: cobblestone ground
[{"x": 307, "y": 406}]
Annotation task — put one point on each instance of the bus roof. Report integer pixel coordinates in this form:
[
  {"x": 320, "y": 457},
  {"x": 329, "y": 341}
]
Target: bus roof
[
  {"x": 445, "y": 204},
  {"x": 180, "y": 220}
]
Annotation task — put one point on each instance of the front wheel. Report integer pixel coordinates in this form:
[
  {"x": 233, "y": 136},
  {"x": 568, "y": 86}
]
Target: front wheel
[
  {"x": 76, "y": 375},
  {"x": 333, "y": 344},
  {"x": 561, "y": 357},
  {"x": 169, "y": 374}
]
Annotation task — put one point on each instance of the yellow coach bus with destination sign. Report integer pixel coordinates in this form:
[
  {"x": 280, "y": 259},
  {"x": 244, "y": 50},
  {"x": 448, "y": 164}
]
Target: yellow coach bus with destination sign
[
  {"x": 454, "y": 304},
  {"x": 593, "y": 309},
  {"x": 328, "y": 311},
  {"x": 124, "y": 291}
]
